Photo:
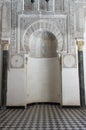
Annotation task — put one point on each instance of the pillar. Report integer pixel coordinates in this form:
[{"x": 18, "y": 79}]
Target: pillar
[
  {"x": 80, "y": 44},
  {"x": 4, "y": 74}
]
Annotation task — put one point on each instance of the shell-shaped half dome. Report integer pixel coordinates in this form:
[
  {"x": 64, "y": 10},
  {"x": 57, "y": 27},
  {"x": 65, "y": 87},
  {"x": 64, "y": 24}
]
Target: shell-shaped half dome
[{"x": 42, "y": 44}]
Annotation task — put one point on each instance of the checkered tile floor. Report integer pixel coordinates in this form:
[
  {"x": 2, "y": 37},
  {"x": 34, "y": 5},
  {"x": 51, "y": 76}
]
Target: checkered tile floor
[{"x": 43, "y": 117}]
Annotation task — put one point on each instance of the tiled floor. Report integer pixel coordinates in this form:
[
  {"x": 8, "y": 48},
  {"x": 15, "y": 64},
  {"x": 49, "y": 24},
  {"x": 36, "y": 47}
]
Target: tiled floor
[{"x": 43, "y": 117}]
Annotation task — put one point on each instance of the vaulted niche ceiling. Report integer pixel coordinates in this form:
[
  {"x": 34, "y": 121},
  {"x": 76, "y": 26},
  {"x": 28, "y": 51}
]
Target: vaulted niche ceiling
[{"x": 42, "y": 44}]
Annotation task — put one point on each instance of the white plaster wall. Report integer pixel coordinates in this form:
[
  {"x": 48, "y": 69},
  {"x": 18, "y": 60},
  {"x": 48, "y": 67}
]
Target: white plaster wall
[
  {"x": 43, "y": 83},
  {"x": 16, "y": 87},
  {"x": 70, "y": 87}
]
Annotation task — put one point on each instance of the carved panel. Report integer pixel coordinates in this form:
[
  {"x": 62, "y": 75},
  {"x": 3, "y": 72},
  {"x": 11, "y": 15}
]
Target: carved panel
[
  {"x": 66, "y": 4},
  {"x": 6, "y": 20},
  {"x": 42, "y": 44},
  {"x": 27, "y": 5},
  {"x": 55, "y": 24},
  {"x": 0, "y": 20},
  {"x": 80, "y": 13},
  {"x": 75, "y": 9},
  {"x": 20, "y": 5},
  {"x": 51, "y": 5},
  {"x": 13, "y": 25},
  {"x": 59, "y": 5},
  {"x": 71, "y": 25},
  {"x": 69, "y": 61},
  {"x": 17, "y": 61},
  {"x": 78, "y": 20}
]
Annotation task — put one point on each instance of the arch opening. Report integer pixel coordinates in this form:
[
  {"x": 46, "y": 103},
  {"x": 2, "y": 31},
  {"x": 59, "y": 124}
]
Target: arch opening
[
  {"x": 43, "y": 68},
  {"x": 45, "y": 26},
  {"x": 42, "y": 44}
]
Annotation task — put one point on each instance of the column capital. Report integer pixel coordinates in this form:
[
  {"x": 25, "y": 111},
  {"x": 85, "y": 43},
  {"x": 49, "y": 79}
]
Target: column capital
[
  {"x": 5, "y": 44},
  {"x": 80, "y": 44}
]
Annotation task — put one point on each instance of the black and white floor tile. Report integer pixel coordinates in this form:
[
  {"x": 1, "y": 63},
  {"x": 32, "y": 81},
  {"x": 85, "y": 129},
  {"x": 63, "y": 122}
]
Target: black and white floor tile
[{"x": 43, "y": 117}]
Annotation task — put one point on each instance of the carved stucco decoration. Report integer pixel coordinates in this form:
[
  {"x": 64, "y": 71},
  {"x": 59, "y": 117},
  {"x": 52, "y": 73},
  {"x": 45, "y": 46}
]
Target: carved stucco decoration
[
  {"x": 69, "y": 61},
  {"x": 80, "y": 14},
  {"x": 80, "y": 43},
  {"x": 6, "y": 19},
  {"x": 16, "y": 7},
  {"x": 13, "y": 24},
  {"x": 42, "y": 44},
  {"x": 17, "y": 61},
  {"x": 51, "y": 5},
  {"x": 43, "y": 25},
  {"x": 71, "y": 26},
  {"x": 69, "y": 7},
  {"x": 76, "y": 20}
]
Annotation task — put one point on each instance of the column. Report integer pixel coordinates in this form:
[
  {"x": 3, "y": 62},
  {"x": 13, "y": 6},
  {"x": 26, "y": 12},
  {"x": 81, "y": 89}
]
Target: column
[
  {"x": 4, "y": 73},
  {"x": 38, "y": 5},
  {"x": 80, "y": 44}
]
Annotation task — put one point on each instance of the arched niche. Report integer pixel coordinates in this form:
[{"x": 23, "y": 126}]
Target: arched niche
[
  {"x": 43, "y": 70},
  {"x": 42, "y": 44}
]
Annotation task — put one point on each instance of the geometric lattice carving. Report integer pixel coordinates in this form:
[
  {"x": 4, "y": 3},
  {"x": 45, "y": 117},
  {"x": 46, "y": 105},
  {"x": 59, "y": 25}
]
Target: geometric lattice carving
[
  {"x": 44, "y": 25},
  {"x": 17, "y": 61}
]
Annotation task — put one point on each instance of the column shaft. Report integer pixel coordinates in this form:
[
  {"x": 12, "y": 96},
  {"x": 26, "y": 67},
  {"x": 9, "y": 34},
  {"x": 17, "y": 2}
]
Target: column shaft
[
  {"x": 81, "y": 78},
  {"x": 4, "y": 79}
]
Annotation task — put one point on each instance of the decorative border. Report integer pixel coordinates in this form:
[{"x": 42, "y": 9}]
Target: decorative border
[
  {"x": 66, "y": 66},
  {"x": 21, "y": 66}
]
